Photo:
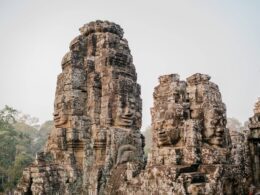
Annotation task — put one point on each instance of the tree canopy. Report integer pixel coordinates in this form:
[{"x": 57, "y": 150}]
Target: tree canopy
[{"x": 20, "y": 139}]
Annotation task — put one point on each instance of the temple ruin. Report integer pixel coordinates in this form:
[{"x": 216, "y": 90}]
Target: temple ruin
[
  {"x": 97, "y": 116},
  {"x": 254, "y": 144},
  {"x": 191, "y": 152},
  {"x": 96, "y": 146}
]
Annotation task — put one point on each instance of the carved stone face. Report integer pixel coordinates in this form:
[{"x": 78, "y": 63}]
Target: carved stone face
[
  {"x": 127, "y": 113},
  {"x": 168, "y": 133},
  {"x": 163, "y": 136},
  {"x": 214, "y": 127},
  {"x": 167, "y": 130},
  {"x": 60, "y": 112}
]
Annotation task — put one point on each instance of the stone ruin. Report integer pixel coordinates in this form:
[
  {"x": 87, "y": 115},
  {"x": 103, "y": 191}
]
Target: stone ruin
[
  {"x": 254, "y": 145},
  {"x": 97, "y": 116},
  {"x": 96, "y": 146},
  {"x": 191, "y": 152}
]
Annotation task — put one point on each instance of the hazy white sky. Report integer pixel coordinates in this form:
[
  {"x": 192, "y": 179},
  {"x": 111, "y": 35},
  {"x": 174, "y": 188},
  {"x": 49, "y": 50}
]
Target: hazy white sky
[{"x": 217, "y": 37}]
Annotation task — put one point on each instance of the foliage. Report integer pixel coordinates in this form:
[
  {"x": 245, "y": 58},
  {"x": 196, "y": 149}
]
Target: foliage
[
  {"x": 7, "y": 115},
  {"x": 42, "y": 136},
  {"x": 20, "y": 139},
  {"x": 25, "y": 128}
]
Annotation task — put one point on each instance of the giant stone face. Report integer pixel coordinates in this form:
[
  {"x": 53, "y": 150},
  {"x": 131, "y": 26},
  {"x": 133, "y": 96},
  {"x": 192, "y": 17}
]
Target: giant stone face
[
  {"x": 167, "y": 129},
  {"x": 128, "y": 110},
  {"x": 61, "y": 111},
  {"x": 214, "y": 126}
]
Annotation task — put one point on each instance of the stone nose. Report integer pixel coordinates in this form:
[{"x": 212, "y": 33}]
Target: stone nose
[{"x": 128, "y": 111}]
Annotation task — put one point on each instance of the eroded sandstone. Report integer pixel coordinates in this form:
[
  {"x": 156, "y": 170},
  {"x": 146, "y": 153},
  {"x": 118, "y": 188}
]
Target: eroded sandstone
[
  {"x": 191, "y": 152},
  {"x": 97, "y": 116},
  {"x": 254, "y": 144},
  {"x": 96, "y": 146}
]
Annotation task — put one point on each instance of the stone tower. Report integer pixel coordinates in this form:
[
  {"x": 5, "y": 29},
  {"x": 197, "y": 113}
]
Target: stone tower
[
  {"x": 254, "y": 144},
  {"x": 96, "y": 146},
  {"x": 97, "y": 116},
  {"x": 191, "y": 144}
]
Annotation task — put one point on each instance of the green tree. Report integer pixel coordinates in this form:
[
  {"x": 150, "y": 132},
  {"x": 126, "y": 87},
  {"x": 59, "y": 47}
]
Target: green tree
[
  {"x": 42, "y": 136},
  {"x": 14, "y": 150},
  {"x": 7, "y": 144},
  {"x": 8, "y": 115},
  {"x": 21, "y": 161},
  {"x": 20, "y": 138}
]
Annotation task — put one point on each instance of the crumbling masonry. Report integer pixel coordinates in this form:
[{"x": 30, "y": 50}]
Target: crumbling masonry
[
  {"x": 96, "y": 146},
  {"x": 191, "y": 152},
  {"x": 254, "y": 144}
]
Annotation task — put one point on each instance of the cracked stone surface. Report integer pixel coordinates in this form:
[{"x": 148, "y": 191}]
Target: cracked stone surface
[
  {"x": 96, "y": 146},
  {"x": 254, "y": 145},
  {"x": 97, "y": 116},
  {"x": 191, "y": 151}
]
